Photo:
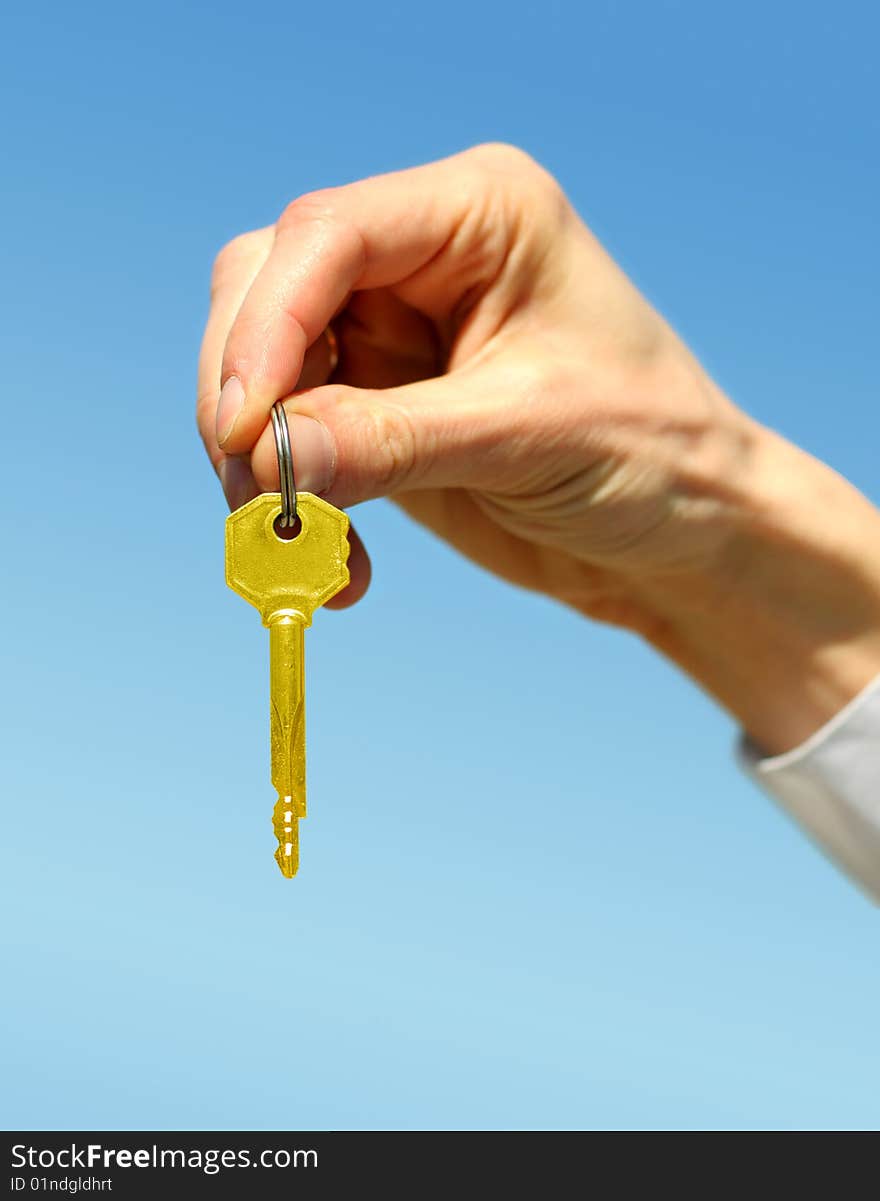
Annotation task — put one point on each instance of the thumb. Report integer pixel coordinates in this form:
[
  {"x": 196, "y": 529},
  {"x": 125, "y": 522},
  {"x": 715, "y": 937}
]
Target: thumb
[{"x": 354, "y": 444}]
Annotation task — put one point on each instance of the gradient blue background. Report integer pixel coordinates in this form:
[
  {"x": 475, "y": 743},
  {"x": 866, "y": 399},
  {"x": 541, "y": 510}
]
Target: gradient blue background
[{"x": 535, "y": 890}]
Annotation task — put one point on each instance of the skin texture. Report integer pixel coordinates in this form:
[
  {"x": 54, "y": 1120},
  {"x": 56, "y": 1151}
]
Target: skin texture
[{"x": 503, "y": 381}]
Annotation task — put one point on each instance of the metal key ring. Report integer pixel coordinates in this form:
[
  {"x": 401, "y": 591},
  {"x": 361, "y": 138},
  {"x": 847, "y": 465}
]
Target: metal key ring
[{"x": 285, "y": 465}]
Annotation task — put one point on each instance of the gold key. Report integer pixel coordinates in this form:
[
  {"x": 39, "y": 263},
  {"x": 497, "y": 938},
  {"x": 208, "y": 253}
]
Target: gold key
[{"x": 287, "y": 580}]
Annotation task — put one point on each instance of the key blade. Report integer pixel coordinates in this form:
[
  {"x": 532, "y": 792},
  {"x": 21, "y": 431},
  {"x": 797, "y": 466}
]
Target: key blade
[{"x": 287, "y": 690}]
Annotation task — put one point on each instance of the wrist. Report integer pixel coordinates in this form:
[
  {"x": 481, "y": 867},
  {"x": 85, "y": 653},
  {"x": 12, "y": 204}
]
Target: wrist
[{"x": 782, "y": 625}]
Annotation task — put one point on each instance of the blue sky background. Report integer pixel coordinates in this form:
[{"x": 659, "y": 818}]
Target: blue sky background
[{"x": 535, "y": 891}]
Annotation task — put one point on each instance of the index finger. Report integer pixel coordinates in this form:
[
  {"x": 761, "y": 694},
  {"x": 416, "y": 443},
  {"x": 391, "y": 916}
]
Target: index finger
[
  {"x": 235, "y": 270},
  {"x": 427, "y": 232}
]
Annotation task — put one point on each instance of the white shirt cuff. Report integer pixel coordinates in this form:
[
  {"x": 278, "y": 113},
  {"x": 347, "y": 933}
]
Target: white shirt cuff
[{"x": 830, "y": 784}]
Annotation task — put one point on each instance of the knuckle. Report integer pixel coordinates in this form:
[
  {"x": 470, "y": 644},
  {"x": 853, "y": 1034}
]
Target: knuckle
[
  {"x": 330, "y": 212},
  {"x": 320, "y": 205},
  {"x": 381, "y": 438},
  {"x": 237, "y": 252},
  {"x": 381, "y": 445},
  {"x": 502, "y": 155},
  {"x": 517, "y": 167},
  {"x": 393, "y": 437}
]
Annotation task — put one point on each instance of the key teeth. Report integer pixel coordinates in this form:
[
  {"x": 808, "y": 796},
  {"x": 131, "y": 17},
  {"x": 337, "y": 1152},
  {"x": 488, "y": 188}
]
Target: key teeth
[
  {"x": 285, "y": 824},
  {"x": 289, "y": 864}
]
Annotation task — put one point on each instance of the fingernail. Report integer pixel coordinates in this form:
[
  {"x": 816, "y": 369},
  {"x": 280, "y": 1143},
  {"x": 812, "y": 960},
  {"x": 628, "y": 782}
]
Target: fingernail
[
  {"x": 239, "y": 485},
  {"x": 229, "y": 406},
  {"x": 314, "y": 453}
]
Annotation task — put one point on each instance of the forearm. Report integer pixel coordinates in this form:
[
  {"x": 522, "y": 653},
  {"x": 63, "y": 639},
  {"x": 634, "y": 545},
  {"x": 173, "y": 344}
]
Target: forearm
[{"x": 784, "y": 628}]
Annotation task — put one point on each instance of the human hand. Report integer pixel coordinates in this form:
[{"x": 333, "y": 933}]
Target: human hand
[
  {"x": 499, "y": 375},
  {"x": 503, "y": 381}
]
